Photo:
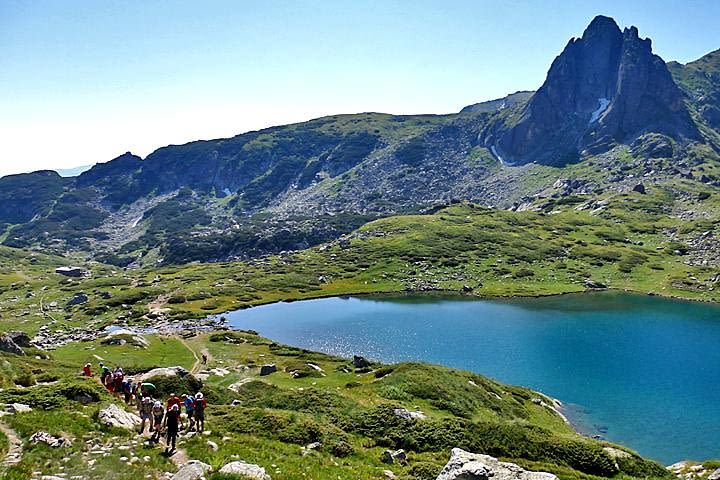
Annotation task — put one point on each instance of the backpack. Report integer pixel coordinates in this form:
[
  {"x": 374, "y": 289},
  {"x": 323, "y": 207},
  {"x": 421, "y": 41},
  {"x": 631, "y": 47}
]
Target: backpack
[{"x": 147, "y": 405}]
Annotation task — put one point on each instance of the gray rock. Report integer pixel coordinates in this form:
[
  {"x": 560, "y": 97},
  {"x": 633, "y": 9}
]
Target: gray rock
[
  {"x": 165, "y": 372},
  {"x": 268, "y": 369},
  {"x": 17, "y": 408},
  {"x": 397, "y": 456},
  {"x": 77, "y": 299},
  {"x": 639, "y": 188},
  {"x": 714, "y": 475},
  {"x": 360, "y": 362},
  {"x": 593, "y": 284},
  {"x": 193, "y": 470},
  {"x": 408, "y": 414},
  {"x": 470, "y": 466},
  {"x": 114, "y": 416},
  {"x": 51, "y": 440},
  {"x": 245, "y": 470},
  {"x": 9, "y": 346},
  {"x": 21, "y": 339}
]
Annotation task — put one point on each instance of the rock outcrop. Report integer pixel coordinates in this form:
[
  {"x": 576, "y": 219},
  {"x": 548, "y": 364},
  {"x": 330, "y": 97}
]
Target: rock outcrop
[
  {"x": 48, "y": 439},
  {"x": 114, "y": 416},
  {"x": 605, "y": 87},
  {"x": 8, "y": 345},
  {"x": 245, "y": 470},
  {"x": 471, "y": 466},
  {"x": 123, "y": 336},
  {"x": 268, "y": 369},
  {"x": 165, "y": 372}
]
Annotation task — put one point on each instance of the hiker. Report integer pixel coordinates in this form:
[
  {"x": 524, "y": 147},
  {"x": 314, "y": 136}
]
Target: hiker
[
  {"x": 117, "y": 380},
  {"x": 204, "y": 358},
  {"x": 189, "y": 402},
  {"x": 171, "y": 422},
  {"x": 104, "y": 373},
  {"x": 173, "y": 400},
  {"x": 127, "y": 389},
  {"x": 200, "y": 405},
  {"x": 87, "y": 370},
  {"x": 158, "y": 413},
  {"x": 137, "y": 392},
  {"x": 145, "y": 407}
]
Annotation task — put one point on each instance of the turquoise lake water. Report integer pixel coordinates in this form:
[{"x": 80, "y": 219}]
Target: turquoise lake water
[{"x": 638, "y": 370}]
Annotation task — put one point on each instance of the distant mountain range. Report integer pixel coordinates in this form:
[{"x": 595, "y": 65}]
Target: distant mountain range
[{"x": 609, "y": 112}]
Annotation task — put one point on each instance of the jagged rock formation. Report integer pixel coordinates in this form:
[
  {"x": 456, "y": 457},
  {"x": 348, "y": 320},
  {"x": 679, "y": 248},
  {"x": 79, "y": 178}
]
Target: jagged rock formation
[{"x": 606, "y": 87}]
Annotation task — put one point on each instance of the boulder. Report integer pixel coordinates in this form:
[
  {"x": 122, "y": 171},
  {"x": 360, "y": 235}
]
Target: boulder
[
  {"x": 21, "y": 339},
  {"x": 268, "y": 369},
  {"x": 409, "y": 415},
  {"x": 639, "y": 188},
  {"x": 593, "y": 284},
  {"x": 192, "y": 470},
  {"x": 237, "y": 386},
  {"x": 165, "y": 372},
  {"x": 714, "y": 475},
  {"x": 123, "y": 336},
  {"x": 17, "y": 408},
  {"x": 397, "y": 456},
  {"x": 245, "y": 470},
  {"x": 471, "y": 466},
  {"x": 9, "y": 346},
  {"x": 309, "y": 448},
  {"x": 360, "y": 362},
  {"x": 114, "y": 416},
  {"x": 77, "y": 299},
  {"x": 51, "y": 440}
]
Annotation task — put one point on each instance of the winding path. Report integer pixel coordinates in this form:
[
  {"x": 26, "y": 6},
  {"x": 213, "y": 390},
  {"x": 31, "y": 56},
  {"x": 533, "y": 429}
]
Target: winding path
[
  {"x": 198, "y": 365},
  {"x": 15, "y": 448}
]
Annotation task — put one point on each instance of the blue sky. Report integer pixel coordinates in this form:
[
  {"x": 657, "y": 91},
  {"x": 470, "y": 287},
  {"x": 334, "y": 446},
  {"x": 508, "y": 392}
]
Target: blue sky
[{"x": 83, "y": 81}]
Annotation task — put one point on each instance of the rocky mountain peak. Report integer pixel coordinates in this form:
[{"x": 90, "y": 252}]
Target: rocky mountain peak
[{"x": 606, "y": 87}]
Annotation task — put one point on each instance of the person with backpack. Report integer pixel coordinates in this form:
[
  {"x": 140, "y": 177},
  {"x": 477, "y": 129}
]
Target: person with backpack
[
  {"x": 172, "y": 422},
  {"x": 158, "y": 413},
  {"x": 145, "y": 407},
  {"x": 127, "y": 389},
  {"x": 200, "y": 405},
  {"x": 189, "y": 402},
  {"x": 104, "y": 373}
]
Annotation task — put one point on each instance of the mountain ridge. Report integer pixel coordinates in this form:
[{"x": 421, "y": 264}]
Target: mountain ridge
[{"x": 312, "y": 181}]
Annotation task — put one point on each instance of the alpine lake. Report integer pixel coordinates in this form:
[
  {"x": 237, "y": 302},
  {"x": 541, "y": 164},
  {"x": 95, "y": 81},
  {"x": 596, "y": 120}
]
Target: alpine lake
[{"x": 637, "y": 370}]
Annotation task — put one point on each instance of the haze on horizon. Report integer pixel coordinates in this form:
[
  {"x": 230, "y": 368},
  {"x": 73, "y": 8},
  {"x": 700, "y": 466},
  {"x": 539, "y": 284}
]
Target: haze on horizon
[{"x": 84, "y": 82}]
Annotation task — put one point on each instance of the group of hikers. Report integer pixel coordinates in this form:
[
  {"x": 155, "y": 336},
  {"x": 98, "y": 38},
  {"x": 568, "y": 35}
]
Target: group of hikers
[
  {"x": 169, "y": 418},
  {"x": 159, "y": 417}
]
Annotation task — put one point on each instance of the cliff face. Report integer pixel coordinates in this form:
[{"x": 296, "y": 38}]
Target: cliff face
[{"x": 605, "y": 87}]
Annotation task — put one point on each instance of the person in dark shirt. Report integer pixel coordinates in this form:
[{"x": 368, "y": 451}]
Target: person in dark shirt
[
  {"x": 172, "y": 422},
  {"x": 200, "y": 406}
]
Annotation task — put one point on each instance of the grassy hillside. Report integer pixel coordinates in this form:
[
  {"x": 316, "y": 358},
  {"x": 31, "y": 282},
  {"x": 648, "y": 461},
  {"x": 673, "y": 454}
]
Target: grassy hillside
[
  {"x": 351, "y": 412},
  {"x": 640, "y": 242}
]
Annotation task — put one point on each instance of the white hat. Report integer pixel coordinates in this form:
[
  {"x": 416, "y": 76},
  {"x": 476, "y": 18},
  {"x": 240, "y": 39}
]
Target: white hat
[{"x": 199, "y": 395}]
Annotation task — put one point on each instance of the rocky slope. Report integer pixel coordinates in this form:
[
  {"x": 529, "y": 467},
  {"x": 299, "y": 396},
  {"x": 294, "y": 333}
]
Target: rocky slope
[{"x": 610, "y": 111}]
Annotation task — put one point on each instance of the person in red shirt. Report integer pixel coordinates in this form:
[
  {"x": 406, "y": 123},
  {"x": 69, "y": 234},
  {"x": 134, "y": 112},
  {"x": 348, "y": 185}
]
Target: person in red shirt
[
  {"x": 173, "y": 400},
  {"x": 87, "y": 371}
]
